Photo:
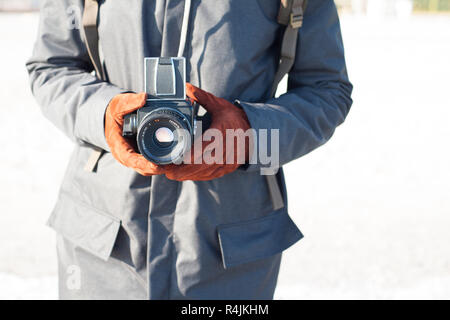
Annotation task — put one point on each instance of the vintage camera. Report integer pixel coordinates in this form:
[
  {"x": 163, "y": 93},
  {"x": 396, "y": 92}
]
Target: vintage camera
[{"x": 164, "y": 127}]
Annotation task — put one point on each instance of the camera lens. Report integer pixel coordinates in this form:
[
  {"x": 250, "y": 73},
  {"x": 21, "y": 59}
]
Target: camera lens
[{"x": 164, "y": 135}]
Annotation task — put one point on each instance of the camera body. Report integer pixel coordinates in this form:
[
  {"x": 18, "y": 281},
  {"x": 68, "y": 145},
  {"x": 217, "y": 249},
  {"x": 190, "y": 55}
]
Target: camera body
[{"x": 164, "y": 127}]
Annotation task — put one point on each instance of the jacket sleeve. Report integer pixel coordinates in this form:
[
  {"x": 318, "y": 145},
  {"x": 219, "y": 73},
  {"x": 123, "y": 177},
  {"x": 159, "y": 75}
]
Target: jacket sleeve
[
  {"x": 60, "y": 75},
  {"x": 318, "y": 97}
]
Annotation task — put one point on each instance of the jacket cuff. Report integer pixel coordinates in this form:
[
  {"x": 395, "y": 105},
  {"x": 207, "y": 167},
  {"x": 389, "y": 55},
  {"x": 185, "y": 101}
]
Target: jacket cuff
[
  {"x": 90, "y": 123},
  {"x": 253, "y": 112}
]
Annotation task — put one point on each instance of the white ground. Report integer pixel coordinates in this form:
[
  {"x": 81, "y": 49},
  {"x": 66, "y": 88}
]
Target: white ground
[{"x": 374, "y": 203}]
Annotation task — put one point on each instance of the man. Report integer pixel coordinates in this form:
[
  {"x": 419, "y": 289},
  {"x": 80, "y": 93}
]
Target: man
[{"x": 130, "y": 229}]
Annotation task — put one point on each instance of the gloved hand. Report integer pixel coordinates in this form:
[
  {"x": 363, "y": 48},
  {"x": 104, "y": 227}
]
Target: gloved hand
[
  {"x": 225, "y": 115},
  {"x": 121, "y": 149}
]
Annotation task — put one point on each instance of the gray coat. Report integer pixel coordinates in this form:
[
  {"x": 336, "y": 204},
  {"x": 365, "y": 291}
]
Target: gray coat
[{"x": 149, "y": 237}]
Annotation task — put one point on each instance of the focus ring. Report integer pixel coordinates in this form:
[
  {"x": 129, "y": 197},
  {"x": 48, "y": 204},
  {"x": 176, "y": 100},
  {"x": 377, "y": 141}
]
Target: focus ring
[{"x": 158, "y": 118}]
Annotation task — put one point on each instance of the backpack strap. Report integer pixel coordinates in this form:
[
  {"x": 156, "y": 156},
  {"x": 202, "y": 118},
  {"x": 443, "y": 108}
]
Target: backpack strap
[
  {"x": 290, "y": 15},
  {"x": 90, "y": 19}
]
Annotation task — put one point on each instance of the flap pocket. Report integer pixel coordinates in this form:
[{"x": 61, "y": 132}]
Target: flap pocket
[
  {"x": 251, "y": 240},
  {"x": 85, "y": 226}
]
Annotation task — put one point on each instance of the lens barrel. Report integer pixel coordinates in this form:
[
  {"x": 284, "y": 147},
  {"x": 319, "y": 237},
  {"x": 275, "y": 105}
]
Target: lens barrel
[{"x": 164, "y": 152}]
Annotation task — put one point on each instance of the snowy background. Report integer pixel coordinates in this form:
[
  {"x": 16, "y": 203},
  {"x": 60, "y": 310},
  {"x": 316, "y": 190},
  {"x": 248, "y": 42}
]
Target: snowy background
[{"x": 374, "y": 203}]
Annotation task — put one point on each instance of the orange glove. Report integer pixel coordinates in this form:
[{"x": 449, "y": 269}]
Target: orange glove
[
  {"x": 225, "y": 115},
  {"x": 121, "y": 149}
]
